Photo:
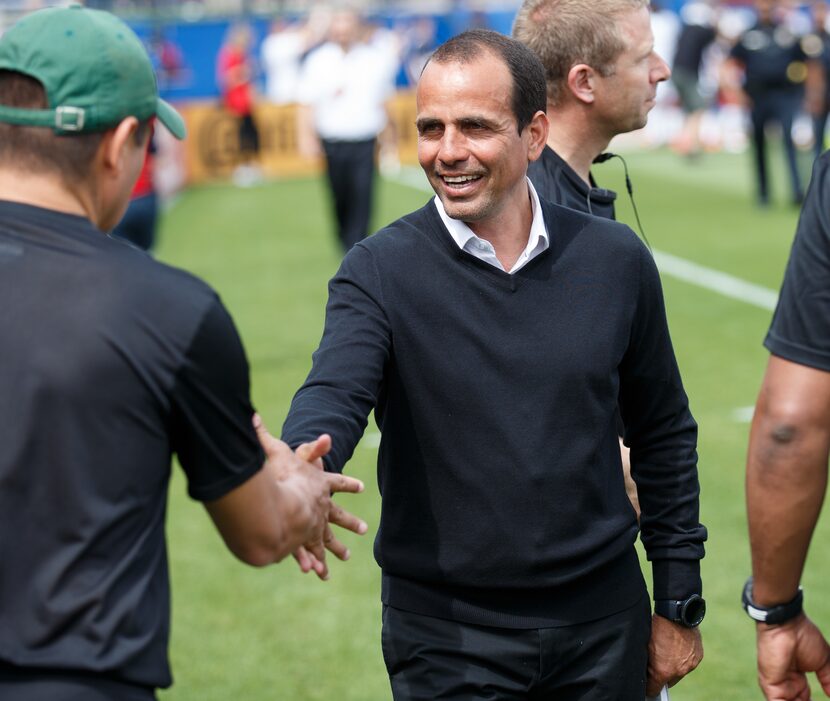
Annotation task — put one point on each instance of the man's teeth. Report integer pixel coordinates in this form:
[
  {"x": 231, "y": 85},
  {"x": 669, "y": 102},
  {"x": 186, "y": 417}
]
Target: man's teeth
[{"x": 460, "y": 178}]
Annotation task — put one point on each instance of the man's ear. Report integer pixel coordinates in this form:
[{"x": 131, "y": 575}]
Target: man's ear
[
  {"x": 117, "y": 142},
  {"x": 538, "y": 132},
  {"x": 581, "y": 82}
]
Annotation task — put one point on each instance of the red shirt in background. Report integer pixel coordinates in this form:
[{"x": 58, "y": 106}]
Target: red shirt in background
[{"x": 234, "y": 77}]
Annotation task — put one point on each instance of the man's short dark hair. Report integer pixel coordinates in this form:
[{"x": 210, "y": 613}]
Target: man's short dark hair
[
  {"x": 39, "y": 149},
  {"x": 526, "y": 71}
]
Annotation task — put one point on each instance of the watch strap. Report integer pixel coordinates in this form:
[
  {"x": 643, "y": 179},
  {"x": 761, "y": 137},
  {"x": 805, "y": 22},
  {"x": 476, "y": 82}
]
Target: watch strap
[
  {"x": 686, "y": 612},
  {"x": 668, "y": 608},
  {"x": 771, "y": 615}
]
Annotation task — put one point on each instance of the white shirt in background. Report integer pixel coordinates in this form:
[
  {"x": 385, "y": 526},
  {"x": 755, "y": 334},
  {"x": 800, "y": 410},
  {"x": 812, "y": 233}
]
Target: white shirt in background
[
  {"x": 281, "y": 55},
  {"x": 347, "y": 90}
]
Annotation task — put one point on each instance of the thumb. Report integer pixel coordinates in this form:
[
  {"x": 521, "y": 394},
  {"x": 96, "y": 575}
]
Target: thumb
[
  {"x": 313, "y": 452},
  {"x": 266, "y": 440}
]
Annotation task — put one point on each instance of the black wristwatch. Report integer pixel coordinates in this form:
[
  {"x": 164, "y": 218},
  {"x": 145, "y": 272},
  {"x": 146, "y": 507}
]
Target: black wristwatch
[
  {"x": 771, "y": 614},
  {"x": 687, "y": 612}
]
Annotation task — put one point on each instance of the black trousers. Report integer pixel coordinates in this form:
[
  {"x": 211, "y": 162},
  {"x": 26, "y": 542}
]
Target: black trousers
[
  {"x": 780, "y": 107},
  {"x": 350, "y": 167},
  {"x": 431, "y": 658},
  {"x": 248, "y": 136}
]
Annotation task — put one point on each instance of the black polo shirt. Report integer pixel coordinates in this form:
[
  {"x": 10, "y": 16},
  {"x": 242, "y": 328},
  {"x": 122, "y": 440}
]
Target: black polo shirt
[
  {"x": 773, "y": 59},
  {"x": 111, "y": 362},
  {"x": 556, "y": 182},
  {"x": 800, "y": 330}
]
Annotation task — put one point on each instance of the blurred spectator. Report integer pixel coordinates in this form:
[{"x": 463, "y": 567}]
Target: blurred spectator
[
  {"x": 773, "y": 62},
  {"x": 343, "y": 92},
  {"x": 726, "y": 127},
  {"x": 420, "y": 39},
  {"x": 696, "y": 35},
  {"x": 168, "y": 59},
  {"x": 235, "y": 74},
  {"x": 138, "y": 225},
  {"x": 283, "y": 51},
  {"x": 817, "y": 46}
]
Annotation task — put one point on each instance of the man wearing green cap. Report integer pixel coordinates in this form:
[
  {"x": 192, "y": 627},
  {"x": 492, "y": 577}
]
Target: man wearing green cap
[{"x": 111, "y": 362}]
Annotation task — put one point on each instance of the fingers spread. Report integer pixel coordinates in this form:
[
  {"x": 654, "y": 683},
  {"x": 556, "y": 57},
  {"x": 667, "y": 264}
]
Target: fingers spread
[
  {"x": 340, "y": 517},
  {"x": 334, "y": 546},
  {"x": 303, "y": 559},
  {"x": 341, "y": 483},
  {"x": 319, "y": 560}
]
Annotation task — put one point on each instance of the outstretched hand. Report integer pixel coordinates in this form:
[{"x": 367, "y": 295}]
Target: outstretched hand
[
  {"x": 786, "y": 653},
  {"x": 307, "y": 467}
]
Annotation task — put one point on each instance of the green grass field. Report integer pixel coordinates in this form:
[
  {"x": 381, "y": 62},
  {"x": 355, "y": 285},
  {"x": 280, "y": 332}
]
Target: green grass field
[{"x": 240, "y": 633}]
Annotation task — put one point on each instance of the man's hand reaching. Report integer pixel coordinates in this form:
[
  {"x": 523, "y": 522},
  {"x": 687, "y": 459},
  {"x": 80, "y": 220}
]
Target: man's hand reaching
[{"x": 305, "y": 482}]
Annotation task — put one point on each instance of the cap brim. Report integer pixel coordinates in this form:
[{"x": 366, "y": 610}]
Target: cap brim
[{"x": 171, "y": 119}]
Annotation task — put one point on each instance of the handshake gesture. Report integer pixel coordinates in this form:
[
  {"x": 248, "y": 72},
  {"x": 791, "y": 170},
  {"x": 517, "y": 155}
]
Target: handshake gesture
[
  {"x": 287, "y": 508},
  {"x": 306, "y": 499}
]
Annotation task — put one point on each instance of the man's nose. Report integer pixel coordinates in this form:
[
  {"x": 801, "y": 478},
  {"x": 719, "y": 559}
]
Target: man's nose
[
  {"x": 661, "y": 70},
  {"x": 454, "y": 146}
]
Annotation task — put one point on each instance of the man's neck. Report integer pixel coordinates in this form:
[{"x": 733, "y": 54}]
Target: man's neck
[
  {"x": 574, "y": 139},
  {"x": 40, "y": 191},
  {"x": 509, "y": 231}
]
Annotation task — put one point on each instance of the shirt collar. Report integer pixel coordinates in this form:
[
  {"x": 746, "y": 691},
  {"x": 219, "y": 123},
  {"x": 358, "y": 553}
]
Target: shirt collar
[{"x": 537, "y": 241}]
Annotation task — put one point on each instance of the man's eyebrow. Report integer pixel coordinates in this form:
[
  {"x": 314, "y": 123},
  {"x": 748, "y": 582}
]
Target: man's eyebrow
[
  {"x": 475, "y": 121},
  {"x": 425, "y": 122}
]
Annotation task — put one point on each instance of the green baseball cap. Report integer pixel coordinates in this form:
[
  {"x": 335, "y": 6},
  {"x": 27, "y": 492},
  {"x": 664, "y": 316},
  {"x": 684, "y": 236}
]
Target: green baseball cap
[{"x": 93, "y": 67}]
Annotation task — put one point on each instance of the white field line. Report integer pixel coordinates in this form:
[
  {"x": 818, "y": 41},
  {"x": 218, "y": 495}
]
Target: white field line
[
  {"x": 716, "y": 281},
  {"x": 673, "y": 266},
  {"x": 743, "y": 415}
]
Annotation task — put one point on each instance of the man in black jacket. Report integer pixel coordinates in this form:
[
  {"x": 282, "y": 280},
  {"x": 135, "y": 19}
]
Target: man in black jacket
[
  {"x": 602, "y": 74},
  {"x": 495, "y": 335},
  {"x": 773, "y": 59}
]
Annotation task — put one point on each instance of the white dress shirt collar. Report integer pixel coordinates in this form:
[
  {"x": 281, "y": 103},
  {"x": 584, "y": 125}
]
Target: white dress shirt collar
[{"x": 466, "y": 239}]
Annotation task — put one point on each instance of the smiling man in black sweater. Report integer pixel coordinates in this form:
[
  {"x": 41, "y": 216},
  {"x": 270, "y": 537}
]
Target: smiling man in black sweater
[{"x": 494, "y": 336}]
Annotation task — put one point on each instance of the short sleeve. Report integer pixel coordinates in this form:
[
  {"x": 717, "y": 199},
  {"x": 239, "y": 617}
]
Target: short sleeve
[
  {"x": 800, "y": 329},
  {"x": 213, "y": 435}
]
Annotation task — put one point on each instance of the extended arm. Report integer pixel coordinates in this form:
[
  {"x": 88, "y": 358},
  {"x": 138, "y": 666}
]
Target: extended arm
[
  {"x": 348, "y": 366},
  {"x": 786, "y": 476},
  {"x": 265, "y": 500}
]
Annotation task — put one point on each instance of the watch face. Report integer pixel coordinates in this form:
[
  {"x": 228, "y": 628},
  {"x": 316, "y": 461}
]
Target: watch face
[{"x": 693, "y": 611}]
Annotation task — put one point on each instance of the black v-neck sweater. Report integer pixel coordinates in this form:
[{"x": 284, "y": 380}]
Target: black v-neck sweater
[{"x": 499, "y": 465}]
